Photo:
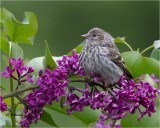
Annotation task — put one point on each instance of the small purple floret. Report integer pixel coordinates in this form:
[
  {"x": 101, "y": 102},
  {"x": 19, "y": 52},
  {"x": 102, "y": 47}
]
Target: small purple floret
[
  {"x": 21, "y": 71},
  {"x": 3, "y": 105}
]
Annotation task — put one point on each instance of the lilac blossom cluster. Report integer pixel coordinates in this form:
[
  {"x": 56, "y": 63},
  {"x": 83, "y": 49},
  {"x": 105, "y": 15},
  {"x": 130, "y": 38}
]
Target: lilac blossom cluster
[
  {"x": 113, "y": 101},
  {"x": 3, "y": 105},
  {"x": 23, "y": 72},
  {"x": 127, "y": 97},
  {"x": 52, "y": 85}
]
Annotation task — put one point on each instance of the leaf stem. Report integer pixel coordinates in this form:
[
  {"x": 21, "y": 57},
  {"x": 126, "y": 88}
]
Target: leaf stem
[
  {"x": 128, "y": 45},
  {"x": 148, "y": 48}
]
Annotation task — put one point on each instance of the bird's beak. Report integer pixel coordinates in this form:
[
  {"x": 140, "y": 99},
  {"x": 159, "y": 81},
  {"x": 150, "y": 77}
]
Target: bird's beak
[{"x": 85, "y": 35}]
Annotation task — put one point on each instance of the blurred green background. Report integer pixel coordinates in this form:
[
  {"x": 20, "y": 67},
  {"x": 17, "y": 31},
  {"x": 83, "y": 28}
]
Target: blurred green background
[{"x": 61, "y": 23}]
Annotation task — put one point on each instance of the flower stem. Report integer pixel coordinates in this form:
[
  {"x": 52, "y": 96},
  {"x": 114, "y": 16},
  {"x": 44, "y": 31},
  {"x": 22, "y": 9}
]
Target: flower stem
[
  {"x": 113, "y": 123},
  {"x": 148, "y": 48},
  {"x": 12, "y": 105},
  {"x": 14, "y": 93}
]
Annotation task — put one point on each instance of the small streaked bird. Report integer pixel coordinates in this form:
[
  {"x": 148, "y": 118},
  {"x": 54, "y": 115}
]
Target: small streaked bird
[{"x": 102, "y": 57}]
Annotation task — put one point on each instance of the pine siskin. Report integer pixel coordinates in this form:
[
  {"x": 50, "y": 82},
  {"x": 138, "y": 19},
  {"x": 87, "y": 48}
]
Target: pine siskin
[{"x": 102, "y": 57}]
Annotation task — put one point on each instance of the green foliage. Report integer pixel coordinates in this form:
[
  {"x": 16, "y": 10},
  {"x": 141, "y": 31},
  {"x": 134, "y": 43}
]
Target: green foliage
[
  {"x": 46, "y": 117},
  {"x": 78, "y": 48},
  {"x": 151, "y": 81},
  {"x": 61, "y": 118},
  {"x": 122, "y": 41},
  {"x": 15, "y": 31},
  {"x": 48, "y": 61},
  {"x": 132, "y": 121},
  {"x": 15, "y": 51},
  {"x": 2, "y": 87},
  {"x": 156, "y": 54},
  {"x": 38, "y": 63},
  {"x": 139, "y": 65},
  {"x": 87, "y": 116}
]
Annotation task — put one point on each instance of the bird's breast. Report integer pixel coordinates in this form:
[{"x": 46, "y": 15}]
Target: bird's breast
[{"x": 95, "y": 59}]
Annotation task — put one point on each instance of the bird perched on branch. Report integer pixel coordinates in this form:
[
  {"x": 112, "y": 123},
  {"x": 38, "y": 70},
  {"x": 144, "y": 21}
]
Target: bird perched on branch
[{"x": 102, "y": 57}]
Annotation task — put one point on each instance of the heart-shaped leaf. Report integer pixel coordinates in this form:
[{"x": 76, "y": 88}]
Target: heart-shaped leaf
[
  {"x": 15, "y": 31},
  {"x": 139, "y": 65}
]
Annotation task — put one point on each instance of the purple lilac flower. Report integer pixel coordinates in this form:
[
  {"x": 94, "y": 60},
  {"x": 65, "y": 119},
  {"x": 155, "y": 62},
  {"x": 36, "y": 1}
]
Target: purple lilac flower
[
  {"x": 101, "y": 122},
  {"x": 17, "y": 63},
  {"x": 75, "y": 102},
  {"x": 8, "y": 72},
  {"x": 52, "y": 85},
  {"x": 71, "y": 64},
  {"x": 3, "y": 105},
  {"x": 21, "y": 71},
  {"x": 128, "y": 96}
]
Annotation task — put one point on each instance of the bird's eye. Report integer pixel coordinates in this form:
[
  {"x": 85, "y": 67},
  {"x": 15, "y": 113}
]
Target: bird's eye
[{"x": 94, "y": 35}]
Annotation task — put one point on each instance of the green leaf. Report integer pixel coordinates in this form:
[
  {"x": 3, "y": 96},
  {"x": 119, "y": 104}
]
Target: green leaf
[
  {"x": 37, "y": 63},
  {"x": 28, "y": 27},
  {"x": 56, "y": 108},
  {"x": 122, "y": 41},
  {"x": 4, "y": 44},
  {"x": 61, "y": 118},
  {"x": 15, "y": 31},
  {"x": 78, "y": 48},
  {"x": 62, "y": 101},
  {"x": 2, "y": 87},
  {"x": 149, "y": 79},
  {"x": 88, "y": 115},
  {"x": 119, "y": 40},
  {"x": 149, "y": 122},
  {"x": 139, "y": 65},
  {"x": 48, "y": 61},
  {"x": 15, "y": 51},
  {"x": 156, "y": 54},
  {"x": 46, "y": 117}
]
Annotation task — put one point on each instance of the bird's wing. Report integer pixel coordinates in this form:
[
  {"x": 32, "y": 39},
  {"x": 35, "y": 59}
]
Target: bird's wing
[{"x": 115, "y": 56}]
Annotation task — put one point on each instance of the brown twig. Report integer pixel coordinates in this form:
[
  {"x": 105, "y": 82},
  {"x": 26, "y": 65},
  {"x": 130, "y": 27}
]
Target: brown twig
[{"x": 14, "y": 93}]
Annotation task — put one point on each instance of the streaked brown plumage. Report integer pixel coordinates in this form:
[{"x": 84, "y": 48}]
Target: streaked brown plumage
[{"x": 101, "y": 56}]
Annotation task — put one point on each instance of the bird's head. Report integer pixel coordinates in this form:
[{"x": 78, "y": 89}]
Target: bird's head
[{"x": 95, "y": 35}]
